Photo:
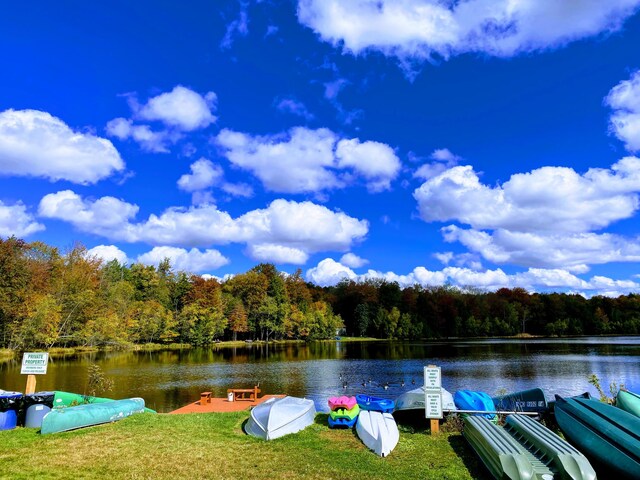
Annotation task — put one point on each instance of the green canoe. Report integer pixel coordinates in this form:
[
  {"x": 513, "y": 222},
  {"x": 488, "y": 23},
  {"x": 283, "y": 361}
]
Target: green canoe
[
  {"x": 607, "y": 435},
  {"x": 68, "y": 399},
  {"x": 628, "y": 401},
  {"x": 63, "y": 419}
]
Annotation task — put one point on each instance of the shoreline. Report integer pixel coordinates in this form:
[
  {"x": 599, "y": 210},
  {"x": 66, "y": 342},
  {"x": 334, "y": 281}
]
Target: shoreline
[{"x": 7, "y": 354}]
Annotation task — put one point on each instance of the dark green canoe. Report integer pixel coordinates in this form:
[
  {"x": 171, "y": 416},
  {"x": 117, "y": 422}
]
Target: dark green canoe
[
  {"x": 63, "y": 419},
  {"x": 628, "y": 401},
  {"x": 607, "y": 435},
  {"x": 532, "y": 400}
]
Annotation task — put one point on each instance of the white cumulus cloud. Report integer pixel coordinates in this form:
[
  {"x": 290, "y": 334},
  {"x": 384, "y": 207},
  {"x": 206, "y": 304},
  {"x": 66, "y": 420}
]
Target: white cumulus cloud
[
  {"x": 283, "y": 228},
  {"x": 421, "y": 28},
  {"x": 571, "y": 251},
  {"x": 352, "y": 260},
  {"x": 553, "y": 199},
  {"x": 624, "y": 99},
  {"x": 329, "y": 272},
  {"x": 37, "y": 144},
  {"x": 204, "y": 174},
  {"x": 108, "y": 253},
  {"x": 375, "y": 161},
  {"x": 268, "y": 252},
  {"x": 101, "y": 216},
  {"x": 181, "y": 108},
  {"x": 304, "y": 160},
  {"x": 15, "y": 220},
  {"x": 181, "y": 259},
  {"x": 148, "y": 139}
]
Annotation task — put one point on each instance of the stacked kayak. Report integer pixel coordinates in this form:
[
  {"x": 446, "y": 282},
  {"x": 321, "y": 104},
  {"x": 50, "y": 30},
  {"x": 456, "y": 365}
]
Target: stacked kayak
[
  {"x": 63, "y": 419},
  {"x": 628, "y": 401},
  {"x": 344, "y": 412},
  {"x": 378, "y": 431},
  {"x": 609, "y": 436},
  {"x": 477, "y": 401},
  {"x": 375, "y": 404},
  {"x": 280, "y": 416}
]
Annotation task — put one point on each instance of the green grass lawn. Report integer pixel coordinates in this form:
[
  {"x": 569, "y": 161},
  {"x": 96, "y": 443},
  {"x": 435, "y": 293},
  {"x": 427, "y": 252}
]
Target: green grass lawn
[{"x": 214, "y": 446}]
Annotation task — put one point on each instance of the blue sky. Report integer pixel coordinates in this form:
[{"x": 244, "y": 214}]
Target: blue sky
[{"x": 476, "y": 143}]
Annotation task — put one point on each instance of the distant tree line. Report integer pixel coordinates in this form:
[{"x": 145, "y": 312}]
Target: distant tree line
[
  {"x": 383, "y": 309},
  {"x": 51, "y": 298}
]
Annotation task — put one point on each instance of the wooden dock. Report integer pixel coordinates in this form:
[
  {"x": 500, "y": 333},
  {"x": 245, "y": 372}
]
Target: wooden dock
[{"x": 221, "y": 405}]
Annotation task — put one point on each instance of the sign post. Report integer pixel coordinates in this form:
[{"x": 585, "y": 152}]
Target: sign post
[
  {"x": 33, "y": 363},
  {"x": 433, "y": 396}
]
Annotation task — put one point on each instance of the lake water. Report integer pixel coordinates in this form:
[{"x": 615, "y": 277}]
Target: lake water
[{"x": 170, "y": 379}]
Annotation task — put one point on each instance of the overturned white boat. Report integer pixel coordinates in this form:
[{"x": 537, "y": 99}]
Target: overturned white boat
[
  {"x": 378, "y": 431},
  {"x": 414, "y": 400},
  {"x": 280, "y": 416}
]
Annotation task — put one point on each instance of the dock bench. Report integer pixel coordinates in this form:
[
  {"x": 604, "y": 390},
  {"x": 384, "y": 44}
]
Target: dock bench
[
  {"x": 248, "y": 394},
  {"x": 205, "y": 397}
]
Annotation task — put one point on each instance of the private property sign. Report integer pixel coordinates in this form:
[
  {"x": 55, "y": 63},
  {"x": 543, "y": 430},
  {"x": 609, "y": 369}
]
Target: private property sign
[{"x": 34, "y": 363}]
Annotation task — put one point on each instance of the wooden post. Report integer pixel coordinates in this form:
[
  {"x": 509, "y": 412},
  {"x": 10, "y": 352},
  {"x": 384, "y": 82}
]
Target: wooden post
[
  {"x": 435, "y": 426},
  {"x": 31, "y": 385}
]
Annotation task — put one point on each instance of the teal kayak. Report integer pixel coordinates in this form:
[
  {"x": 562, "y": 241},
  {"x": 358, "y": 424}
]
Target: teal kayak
[
  {"x": 628, "y": 401},
  {"x": 68, "y": 399},
  {"x": 609, "y": 436},
  {"x": 63, "y": 419}
]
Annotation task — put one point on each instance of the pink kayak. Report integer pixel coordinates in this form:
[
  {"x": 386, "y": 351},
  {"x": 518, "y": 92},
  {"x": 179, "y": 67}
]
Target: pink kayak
[{"x": 342, "y": 402}]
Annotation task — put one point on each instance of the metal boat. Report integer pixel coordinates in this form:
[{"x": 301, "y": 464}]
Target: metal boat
[
  {"x": 414, "y": 400},
  {"x": 280, "y": 416}
]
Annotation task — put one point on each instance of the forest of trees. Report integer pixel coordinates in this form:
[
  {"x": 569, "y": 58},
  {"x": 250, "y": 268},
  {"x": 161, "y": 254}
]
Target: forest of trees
[{"x": 49, "y": 298}]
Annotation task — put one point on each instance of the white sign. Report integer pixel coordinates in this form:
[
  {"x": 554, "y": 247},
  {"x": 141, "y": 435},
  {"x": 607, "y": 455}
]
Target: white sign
[
  {"x": 432, "y": 378},
  {"x": 433, "y": 405},
  {"x": 34, "y": 363}
]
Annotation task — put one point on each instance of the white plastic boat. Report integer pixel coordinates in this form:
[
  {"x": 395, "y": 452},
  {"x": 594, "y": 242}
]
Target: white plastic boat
[
  {"x": 378, "y": 431},
  {"x": 414, "y": 400},
  {"x": 280, "y": 416}
]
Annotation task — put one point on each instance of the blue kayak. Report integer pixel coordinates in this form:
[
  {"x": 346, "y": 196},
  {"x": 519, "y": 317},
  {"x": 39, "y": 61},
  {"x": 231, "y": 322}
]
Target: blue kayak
[
  {"x": 342, "y": 422},
  {"x": 471, "y": 400},
  {"x": 375, "y": 404}
]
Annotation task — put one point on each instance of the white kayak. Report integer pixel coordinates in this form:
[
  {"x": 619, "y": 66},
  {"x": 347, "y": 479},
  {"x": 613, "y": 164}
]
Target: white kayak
[
  {"x": 280, "y": 416},
  {"x": 414, "y": 400},
  {"x": 378, "y": 431}
]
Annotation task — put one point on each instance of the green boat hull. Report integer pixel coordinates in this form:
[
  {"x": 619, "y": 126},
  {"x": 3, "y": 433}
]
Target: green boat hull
[
  {"x": 68, "y": 399},
  {"x": 64, "y": 419},
  {"x": 344, "y": 413},
  {"x": 629, "y": 402},
  {"x": 609, "y": 436}
]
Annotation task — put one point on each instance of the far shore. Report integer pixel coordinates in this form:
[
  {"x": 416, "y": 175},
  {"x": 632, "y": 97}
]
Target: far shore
[{"x": 8, "y": 354}]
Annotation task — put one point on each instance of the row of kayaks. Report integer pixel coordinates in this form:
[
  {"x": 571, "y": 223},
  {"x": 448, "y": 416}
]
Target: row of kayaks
[{"x": 601, "y": 435}]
